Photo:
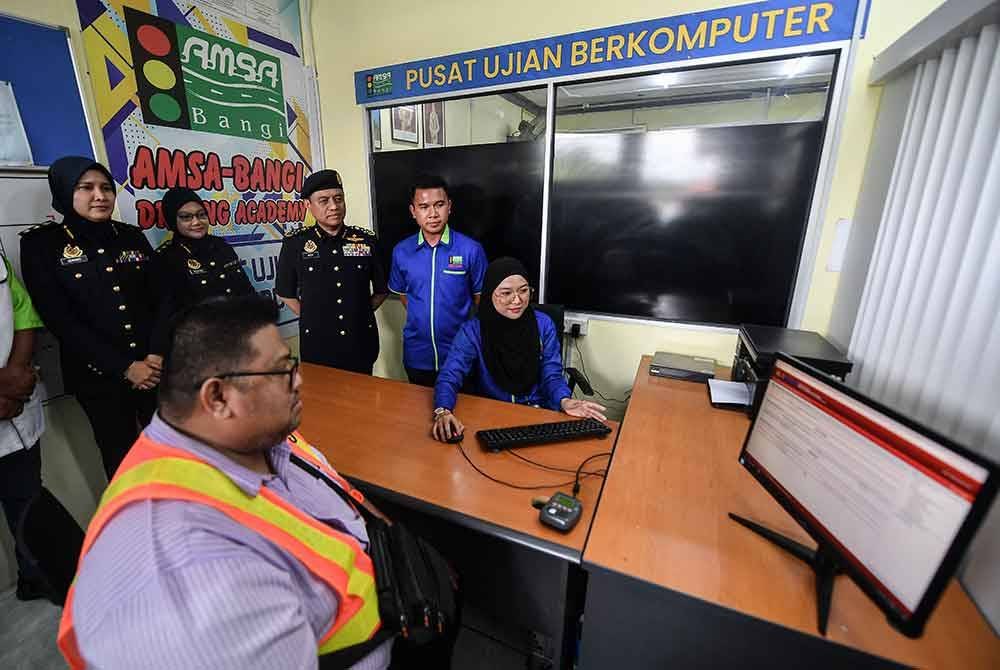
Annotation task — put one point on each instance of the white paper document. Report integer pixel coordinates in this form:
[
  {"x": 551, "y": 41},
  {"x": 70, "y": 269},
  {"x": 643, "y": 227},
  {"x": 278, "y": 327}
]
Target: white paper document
[{"x": 728, "y": 393}]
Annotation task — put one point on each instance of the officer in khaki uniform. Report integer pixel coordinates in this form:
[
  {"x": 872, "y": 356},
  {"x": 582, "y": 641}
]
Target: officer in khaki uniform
[
  {"x": 331, "y": 276},
  {"x": 94, "y": 283}
]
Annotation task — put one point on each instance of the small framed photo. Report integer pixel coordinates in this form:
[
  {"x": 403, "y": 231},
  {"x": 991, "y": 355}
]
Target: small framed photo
[
  {"x": 376, "y": 118},
  {"x": 433, "y": 115},
  {"x": 404, "y": 123}
]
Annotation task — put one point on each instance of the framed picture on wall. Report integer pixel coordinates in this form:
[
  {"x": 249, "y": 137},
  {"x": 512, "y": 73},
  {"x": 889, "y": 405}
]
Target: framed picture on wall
[
  {"x": 433, "y": 116},
  {"x": 376, "y": 116},
  {"x": 404, "y": 123}
]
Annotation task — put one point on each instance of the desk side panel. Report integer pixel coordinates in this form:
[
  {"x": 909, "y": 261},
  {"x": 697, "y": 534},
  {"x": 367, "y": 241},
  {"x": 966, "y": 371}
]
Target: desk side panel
[{"x": 632, "y": 624}]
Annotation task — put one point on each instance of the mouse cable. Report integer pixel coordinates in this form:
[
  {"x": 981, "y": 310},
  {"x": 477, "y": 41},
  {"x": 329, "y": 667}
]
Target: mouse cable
[
  {"x": 508, "y": 484},
  {"x": 576, "y": 482},
  {"x": 549, "y": 467}
]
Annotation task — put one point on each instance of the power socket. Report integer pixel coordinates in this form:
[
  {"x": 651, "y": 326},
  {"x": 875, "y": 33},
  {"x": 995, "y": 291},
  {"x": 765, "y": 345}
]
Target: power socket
[{"x": 575, "y": 326}]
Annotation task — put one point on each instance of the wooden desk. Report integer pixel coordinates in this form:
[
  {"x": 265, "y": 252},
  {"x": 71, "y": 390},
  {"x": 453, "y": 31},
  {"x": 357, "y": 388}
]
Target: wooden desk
[
  {"x": 377, "y": 432},
  {"x": 516, "y": 571},
  {"x": 661, "y": 536}
]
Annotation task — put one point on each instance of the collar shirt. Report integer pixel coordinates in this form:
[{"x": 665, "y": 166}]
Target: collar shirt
[
  {"x": 17, "y": 313},
  {"x": 439, "y": 283},
  {"x": 334, "y": 277},
  {"x": 174, "y": 584}
]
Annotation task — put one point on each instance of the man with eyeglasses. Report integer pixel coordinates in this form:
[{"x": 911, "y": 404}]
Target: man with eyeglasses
[
  {"x": 217, "y": 544},
  {"x": 438, "y": 274},
  {"x": 195, "y": 264},
  {"x": 331, "y": 276}
]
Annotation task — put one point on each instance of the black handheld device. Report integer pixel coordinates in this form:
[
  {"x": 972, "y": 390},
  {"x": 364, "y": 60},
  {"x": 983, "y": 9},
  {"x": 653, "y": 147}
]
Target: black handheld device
[{"x": 561, "y": 512}]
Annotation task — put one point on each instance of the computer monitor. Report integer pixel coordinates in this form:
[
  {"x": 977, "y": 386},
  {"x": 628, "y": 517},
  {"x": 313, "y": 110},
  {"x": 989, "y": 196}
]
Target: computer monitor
[{"x": 888, "y": 501}]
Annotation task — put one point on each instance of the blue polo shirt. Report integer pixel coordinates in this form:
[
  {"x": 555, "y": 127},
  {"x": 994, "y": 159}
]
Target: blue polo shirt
[
  {"x": 466, "y": 357},
  {"x": 439, "y": 283}
]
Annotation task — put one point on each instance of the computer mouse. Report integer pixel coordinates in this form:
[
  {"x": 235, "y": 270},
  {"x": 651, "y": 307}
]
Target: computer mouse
[{"x": 456, "y": 438}]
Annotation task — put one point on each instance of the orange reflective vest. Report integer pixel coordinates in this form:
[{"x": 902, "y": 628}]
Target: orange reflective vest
[{"x": 154, "y": 471}]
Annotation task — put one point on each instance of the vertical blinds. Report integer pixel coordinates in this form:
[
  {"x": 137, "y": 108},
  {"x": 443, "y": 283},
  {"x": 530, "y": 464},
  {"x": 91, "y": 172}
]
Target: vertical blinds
[{"x": 927, "y": 337}]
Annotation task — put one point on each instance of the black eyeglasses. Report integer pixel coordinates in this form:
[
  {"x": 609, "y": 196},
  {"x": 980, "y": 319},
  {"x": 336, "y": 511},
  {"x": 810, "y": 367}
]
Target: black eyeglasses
[
  {"x": 188, "y": 218},
  {"x": 229, "y": 375}
]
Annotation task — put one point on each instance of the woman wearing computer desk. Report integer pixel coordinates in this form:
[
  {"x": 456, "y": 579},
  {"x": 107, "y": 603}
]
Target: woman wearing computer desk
[{"x": 514, "y": 351}]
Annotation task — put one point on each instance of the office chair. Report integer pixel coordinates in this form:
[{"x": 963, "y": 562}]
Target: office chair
[
  {"x": 573, "y": 376},
  {"x": 50, "y": 537}
]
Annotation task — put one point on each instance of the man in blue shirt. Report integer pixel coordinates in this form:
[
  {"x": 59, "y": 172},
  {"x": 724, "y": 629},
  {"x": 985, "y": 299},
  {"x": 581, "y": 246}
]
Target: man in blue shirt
[{"x": 438, "y": 274}]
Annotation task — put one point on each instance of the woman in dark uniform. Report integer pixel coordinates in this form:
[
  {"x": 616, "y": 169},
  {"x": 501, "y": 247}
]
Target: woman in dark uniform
[
  {"x": 93, "y": 282},
  {"x": 195, "y": 264}
]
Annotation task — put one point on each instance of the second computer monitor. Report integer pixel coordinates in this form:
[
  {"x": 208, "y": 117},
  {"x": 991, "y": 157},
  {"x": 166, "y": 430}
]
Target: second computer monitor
[{"x": 896, "y": 503}]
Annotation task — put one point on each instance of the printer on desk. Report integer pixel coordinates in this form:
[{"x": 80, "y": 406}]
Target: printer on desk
[{"x": 758, "y": 345}]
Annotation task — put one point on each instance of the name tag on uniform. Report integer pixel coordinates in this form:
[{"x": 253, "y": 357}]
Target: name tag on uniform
[
  {"x": 357, "y": 249},
  {"x": 72, "y": 255},
  {"x": 310, "y": 249}
]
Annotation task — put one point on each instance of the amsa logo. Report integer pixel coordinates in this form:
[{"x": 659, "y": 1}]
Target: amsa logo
[
  {"x": 231, "y": 89},
  {"x": 190, "y": 79},
  {"x": 226, "y": 61},
  {"x": 379, "y": 83}
]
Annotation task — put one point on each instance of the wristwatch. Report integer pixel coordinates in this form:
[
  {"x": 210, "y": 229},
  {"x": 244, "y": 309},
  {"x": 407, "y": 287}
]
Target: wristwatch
[{"x": 439, "y": 412}]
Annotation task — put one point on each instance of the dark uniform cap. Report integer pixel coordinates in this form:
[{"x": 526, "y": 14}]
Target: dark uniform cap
[
  {"x": 173, "y": 200},
  {"x": 318, "y": 181},
  {"x": 63, "y": 175}
]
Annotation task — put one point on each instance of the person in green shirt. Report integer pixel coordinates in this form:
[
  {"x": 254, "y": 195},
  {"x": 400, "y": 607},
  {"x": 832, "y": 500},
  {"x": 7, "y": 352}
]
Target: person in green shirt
[{"x": 21, "y": 418}]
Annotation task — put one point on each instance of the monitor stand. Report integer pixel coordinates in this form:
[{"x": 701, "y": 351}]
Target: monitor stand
[{"x": 822, "y": 560}]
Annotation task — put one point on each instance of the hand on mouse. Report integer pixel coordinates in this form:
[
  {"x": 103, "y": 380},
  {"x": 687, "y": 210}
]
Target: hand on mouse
[{"x": 446, "y": 426}]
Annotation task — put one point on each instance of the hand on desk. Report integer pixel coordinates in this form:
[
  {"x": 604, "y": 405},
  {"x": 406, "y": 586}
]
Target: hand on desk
[
  {"x": 583, "y": 409},
  {"x": 446, "y": 425}
]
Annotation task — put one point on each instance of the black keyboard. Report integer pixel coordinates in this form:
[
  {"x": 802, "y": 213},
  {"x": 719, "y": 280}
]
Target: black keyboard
[{"x": 497, "y": 439}]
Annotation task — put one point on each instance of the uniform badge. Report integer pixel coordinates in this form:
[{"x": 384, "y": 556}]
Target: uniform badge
[
  {"x": 309, "y": 247},
  {"x": 353, "y": 249},
  {"x": 355, "y": 238},
  {"x": 132, "y": 256},
  {"x": 72, "y": 254},
  {"x": 193, "y": 264},
  {"x": 455, "y": 263}
]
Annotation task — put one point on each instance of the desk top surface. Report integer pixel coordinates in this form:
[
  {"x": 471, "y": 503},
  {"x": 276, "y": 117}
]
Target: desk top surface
[
  {"x": 377, "y": 431},
  {"x": 663, "y": 519}
]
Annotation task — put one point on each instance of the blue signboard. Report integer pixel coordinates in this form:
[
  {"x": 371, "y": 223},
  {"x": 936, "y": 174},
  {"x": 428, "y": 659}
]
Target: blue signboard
[{"x": 772, "y": 24}]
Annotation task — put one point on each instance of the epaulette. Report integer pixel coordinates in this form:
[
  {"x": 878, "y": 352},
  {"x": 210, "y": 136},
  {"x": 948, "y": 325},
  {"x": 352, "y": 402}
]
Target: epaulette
[
  {"x": 39, "y": 227},
  {"x": 165, "y": 244},
  {"x": 361, "y": 229},
  {"x": 121, "y": 226},
  {"x": 293, "y": 233}
]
